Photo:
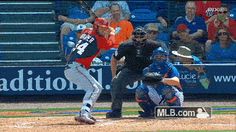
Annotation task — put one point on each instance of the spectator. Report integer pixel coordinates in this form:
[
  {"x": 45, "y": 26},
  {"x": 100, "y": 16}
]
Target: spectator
[
  {"x": 76, "y": 15},
  {"x": 183, "y": 56},
  {"x": 222, "y": 21},
  {"x": 207, "y": 9},
  {"x": 123, "y": 28},
  {"x": 153, "y": 33},
  {"x": 123, "y": 31},
  {"x": 102, "y": 9},
  {"x": 185, "y": 40},
  {"x": 223, "y": 49},
  {"x": 195, "y": 24}
]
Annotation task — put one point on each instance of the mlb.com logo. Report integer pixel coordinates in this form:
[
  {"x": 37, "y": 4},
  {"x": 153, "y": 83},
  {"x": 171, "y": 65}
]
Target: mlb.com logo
[{"x": 183, "y": 112}]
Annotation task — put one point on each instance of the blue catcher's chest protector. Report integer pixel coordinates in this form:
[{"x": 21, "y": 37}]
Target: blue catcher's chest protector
[{"x": 161, "y": 68}]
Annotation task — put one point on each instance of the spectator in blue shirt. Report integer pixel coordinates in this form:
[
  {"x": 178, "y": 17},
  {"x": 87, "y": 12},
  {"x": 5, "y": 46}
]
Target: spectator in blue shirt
[
  {"x": 195, "y": 24},
  {"x": 184, "y": 56},
  {"x": 76, "y": 15},
  {"x": 224, "y": 49},
  {"x": 102, "y": 9}
]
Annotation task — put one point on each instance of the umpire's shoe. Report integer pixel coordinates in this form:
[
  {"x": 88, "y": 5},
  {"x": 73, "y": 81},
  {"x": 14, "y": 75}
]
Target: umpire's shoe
[
  {"x": 114, "y": 114},
  {"x": 146, "y": 114}
]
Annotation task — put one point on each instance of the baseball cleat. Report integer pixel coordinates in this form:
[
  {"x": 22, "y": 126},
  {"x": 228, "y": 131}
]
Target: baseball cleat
[
  {"x": 113, "y": 115},
  {"x": 84, "y": 119},
  {"x": 93, "y": 118},
  {"x": 145, "y": 114}
]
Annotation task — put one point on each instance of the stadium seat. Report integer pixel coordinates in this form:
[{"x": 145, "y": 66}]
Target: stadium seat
[
  {"x": 139, "y": 17},
  {"x": 77, "y": 12},
  {"x": 69, "y": 40},
  {"x": 233, "y": 13},
  {"x": 106, "y": 57}
]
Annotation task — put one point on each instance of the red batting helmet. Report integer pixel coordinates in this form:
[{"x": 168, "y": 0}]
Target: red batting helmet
[{"x": 101, "y": 22}]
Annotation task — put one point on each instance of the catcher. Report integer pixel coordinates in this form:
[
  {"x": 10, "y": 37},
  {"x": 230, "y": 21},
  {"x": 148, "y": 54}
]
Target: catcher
[{"x": 161, "y": 85}]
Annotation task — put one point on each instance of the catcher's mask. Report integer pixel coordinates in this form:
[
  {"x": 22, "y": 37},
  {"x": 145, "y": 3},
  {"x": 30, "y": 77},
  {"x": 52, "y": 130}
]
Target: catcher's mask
[
  {"x": 159, "y": 56},
  {"x": 139, "y": 36}
]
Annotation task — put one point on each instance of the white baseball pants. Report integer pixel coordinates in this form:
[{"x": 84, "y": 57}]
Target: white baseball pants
[{"x": 80, "y": 76}]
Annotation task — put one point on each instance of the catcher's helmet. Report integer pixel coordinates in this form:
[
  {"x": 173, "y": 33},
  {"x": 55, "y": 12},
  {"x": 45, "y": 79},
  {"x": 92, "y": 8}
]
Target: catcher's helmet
[
  {"x": 159, "y": 52},
  {"x": 100, "y": 22}
]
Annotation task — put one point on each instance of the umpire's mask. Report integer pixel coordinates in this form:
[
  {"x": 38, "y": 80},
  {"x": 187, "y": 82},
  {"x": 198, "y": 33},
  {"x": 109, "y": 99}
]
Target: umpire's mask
[{"x": 139, "y": 36}]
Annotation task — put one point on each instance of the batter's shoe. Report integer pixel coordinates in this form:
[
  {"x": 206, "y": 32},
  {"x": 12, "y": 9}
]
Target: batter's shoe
[
  {"x": 113, "y": 114},
  {"x": 84, "y": 119},
  {"x": 91, "y": 117}
]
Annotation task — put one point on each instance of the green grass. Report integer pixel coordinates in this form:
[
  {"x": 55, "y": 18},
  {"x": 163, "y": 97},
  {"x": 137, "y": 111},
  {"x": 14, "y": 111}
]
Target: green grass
[{"x": 54, "y": 111}]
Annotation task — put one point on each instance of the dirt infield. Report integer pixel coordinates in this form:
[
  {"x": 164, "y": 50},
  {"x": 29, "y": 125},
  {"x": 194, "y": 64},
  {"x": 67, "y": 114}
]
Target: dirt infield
[
  {"x": 62, "y": 124},
  {"x": 128, "y": 123}
]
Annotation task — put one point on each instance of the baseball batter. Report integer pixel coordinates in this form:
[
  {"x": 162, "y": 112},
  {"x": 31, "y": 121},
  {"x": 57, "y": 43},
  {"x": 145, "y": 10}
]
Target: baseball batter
[{"x": 90, "y": 43}]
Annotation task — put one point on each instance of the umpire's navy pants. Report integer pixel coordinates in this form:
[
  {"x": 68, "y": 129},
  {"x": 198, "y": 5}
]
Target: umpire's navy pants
[{"x": 119, "y": 83}]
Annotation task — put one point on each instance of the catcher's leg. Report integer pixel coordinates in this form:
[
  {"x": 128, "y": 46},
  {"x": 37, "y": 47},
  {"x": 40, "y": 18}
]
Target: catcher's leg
[
  {"x": 144, "y": 101},
  {"x": 172, "y": 96}
]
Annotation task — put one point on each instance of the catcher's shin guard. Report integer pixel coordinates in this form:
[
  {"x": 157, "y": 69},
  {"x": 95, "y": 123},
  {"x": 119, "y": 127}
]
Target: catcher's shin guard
[{"x": 144, "y": 101}]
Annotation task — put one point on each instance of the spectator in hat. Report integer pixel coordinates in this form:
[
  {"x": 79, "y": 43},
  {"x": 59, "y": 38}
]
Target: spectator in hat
[
  {"x": 184, "y": 56},
  {"x": 185, "y": 40},
  {"x": 223, "y": 49},
  {"x": 154, "y": 33},
  {"x": 195, "y": 24}
]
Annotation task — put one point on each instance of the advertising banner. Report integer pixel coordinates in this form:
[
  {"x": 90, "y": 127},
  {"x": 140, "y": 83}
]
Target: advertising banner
[{"x": 51, "y": 80}]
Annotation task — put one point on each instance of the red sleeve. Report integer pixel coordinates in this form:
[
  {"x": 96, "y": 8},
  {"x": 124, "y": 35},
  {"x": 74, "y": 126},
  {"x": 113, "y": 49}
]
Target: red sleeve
[{"x": 106, "y": 44}]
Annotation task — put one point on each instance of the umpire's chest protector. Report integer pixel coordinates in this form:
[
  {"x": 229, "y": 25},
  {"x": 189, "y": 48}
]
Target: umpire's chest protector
[{"x": 136, "y": 58}]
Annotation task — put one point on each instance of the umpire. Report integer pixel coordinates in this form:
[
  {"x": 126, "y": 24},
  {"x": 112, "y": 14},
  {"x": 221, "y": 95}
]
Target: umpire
[{"x": 137, "y": 53}]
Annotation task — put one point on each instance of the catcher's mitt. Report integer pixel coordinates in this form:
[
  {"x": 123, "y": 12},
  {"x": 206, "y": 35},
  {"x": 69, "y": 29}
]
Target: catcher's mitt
[{"x": 152, "y": 78}]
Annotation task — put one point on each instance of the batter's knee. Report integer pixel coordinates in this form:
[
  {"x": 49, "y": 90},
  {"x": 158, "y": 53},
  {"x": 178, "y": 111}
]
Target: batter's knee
[{"x": 97, "y": 88}]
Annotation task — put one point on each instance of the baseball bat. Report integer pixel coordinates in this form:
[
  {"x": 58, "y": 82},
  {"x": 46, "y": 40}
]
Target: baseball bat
[{"x": 87, "y": 7}]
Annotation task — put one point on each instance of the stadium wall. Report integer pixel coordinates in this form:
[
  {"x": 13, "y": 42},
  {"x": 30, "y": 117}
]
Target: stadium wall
[{"x": 220, "y": 79}]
